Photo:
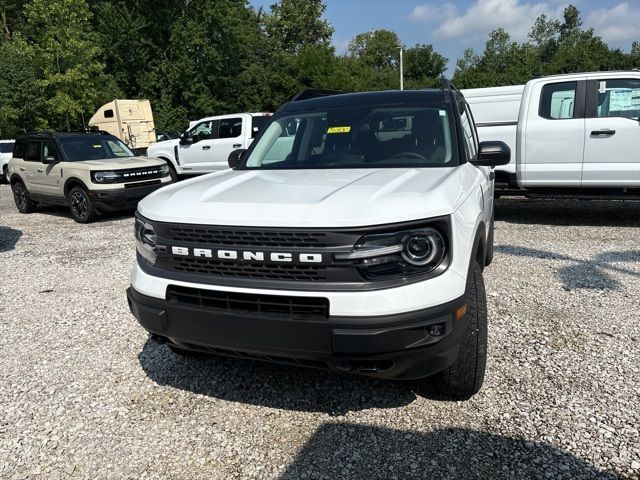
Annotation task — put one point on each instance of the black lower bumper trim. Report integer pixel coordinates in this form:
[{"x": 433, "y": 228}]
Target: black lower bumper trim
[
  {"x": 122, "y": 198},
  {"x": 409, "y": 345}
]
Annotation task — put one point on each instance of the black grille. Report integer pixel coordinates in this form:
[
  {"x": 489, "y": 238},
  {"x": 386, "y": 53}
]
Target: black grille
[
  {"x": 300, "y": 308},
  {"x": 247, "y": 270},
  {"x": 247, "y": 238}
]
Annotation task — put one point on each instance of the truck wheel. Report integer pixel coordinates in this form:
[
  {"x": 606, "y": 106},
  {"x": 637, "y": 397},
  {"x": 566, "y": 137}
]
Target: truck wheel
[
  {"x": 22, "y": 199},
  {"x": 464, "y": 378},
  {"x": 489, "y": 257},
  {"x": 172, "y": 172},
  {"x": 80, "y": 206}
]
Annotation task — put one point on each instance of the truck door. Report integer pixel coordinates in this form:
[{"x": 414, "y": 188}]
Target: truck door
[
  {"x": 612, "y": 137},
  {"x": 30, "y": 165},
  {"x": 553, "y": 136},
  {"x": 48, "y": 176},
  {"x": 231, "y": 136},
  {"x": 196, "y": 154}
]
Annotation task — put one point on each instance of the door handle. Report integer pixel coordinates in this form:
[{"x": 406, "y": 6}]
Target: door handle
[
  {"x": 237, "y": 145},
  {"x": 206, "y": 147},
  {"x": 40, "y": 170},
  {"x": 22, "y": 169},
  {"x": 603, "y": 133}
]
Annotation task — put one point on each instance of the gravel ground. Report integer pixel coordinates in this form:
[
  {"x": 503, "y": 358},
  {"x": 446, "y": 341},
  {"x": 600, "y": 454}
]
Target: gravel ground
[{"x": 83, "y": 394}]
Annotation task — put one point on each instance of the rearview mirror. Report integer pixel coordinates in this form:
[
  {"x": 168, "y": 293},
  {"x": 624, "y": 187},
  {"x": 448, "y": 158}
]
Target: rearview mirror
[
  {"x": 235, "y": 156},
  {"x": 49, "y": 160},
  {"x": 492, "y": 154}
]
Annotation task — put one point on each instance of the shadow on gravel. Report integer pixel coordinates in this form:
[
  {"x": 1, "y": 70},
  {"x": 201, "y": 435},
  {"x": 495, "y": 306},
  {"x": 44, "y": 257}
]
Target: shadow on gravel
[
  {"x": 361, "y": 451},
  {"x": 272, "y": 385},
  {"x": 8, "y": 238},
  {"x": 63, "y": 212},
  {"x": 592, "y": 273},
  {"x": 568, "y": 212}
]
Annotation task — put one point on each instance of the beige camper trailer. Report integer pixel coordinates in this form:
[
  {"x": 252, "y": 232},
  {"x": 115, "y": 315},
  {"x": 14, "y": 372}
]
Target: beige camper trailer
[{"x": 129, "y": 120}]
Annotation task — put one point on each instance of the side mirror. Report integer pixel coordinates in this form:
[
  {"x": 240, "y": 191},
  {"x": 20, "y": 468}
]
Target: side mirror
[
  {"x": 49, "y": 160},
  {"x": 186, "y": 139},
  {"x": 235, "y": 156},
  {"x": 492, "y": 154}
]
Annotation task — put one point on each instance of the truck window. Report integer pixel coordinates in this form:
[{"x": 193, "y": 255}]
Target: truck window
[
  {"x": 108, "y": 114},
  {"x": 257, "y": 123},
  {"x": 230, "y": 128},
  {"x": 557, "y": 100},
  {"x": 202, "y": 131},
  {"x": 49, "y": 149},
  {"x": 19, "y": 149},
  {"x": 619, "y": 98}
]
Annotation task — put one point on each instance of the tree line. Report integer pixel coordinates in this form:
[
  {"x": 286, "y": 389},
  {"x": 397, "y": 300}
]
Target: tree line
[{"x": 61, "y": 59}]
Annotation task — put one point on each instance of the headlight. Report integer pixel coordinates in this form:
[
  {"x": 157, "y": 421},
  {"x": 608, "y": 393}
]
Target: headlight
[
  {"x": 105, "y": 176},
  {"x": 145, "y": 239},
  {"x": 398, "y": 254}
]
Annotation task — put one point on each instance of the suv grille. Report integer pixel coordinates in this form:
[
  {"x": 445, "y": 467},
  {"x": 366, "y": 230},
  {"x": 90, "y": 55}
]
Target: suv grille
[
  {"x": 245, "y": 270},
  {"x": 137, "y": 174},
  {"x": 299, "y": 308},
  {"x": 246, "y": 238}
]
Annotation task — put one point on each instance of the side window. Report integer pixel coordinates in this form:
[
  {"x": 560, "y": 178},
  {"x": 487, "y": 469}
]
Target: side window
[
  {"x": 470, "y": 141},
  {"x": 230, "y": 128},
  {"x": 557, "y": 100},
  {"x": 108, "y": 113},
  {"x": 202, "y": 131},
  {"x": 33, "y": 151},
  {"x": 20, "y": 149},
  {"x": 619, "y": 98},
  {"x": 49, "y": 149},
  {"x": 257, "y": 124}
]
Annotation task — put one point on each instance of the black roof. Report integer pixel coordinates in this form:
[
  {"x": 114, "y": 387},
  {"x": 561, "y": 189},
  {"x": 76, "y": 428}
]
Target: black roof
[
  {"x": 55, "y": 135},
  {"x": 389, "y": 97}
]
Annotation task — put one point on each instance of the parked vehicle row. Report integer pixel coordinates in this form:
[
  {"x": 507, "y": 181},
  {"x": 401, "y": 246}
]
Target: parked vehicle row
[{"x": 575, "y": 134}]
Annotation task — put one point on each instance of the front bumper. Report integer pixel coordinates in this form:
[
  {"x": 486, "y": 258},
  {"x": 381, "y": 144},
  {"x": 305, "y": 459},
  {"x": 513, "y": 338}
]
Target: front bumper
[
  {"x": 399, "y": 346},
  {"x": 122, "y": 198}
]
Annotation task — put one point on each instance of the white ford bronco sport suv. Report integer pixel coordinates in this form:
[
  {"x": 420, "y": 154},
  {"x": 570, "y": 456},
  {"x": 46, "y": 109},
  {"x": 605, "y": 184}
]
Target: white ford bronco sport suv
[
  {"x": 90, "y": 172},
  {"x": 351, "y": 236}
]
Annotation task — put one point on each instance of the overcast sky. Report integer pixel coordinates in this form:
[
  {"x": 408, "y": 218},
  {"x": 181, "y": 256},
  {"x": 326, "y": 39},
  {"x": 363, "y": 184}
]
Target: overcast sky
[{"x": 453, "y": 26}]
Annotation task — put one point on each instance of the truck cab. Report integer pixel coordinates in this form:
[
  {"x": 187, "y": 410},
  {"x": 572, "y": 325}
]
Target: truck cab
[
  {"x": 206, "y": 145},
  {"x": 578, "y": 134}
]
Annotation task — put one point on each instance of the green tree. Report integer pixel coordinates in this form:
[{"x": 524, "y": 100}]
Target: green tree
[
  {"x": 378, "y": 49},
  {"x": 292, "y": 25},
  {"x": 72, "y": 75},
  {"x": 423, "y": 66}
]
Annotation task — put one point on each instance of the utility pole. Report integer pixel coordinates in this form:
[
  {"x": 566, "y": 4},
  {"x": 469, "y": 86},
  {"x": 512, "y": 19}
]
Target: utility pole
[{"x": 401, "y": 71}]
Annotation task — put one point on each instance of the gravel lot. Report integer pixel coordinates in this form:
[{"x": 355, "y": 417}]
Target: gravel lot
[{"x": 83, "y": 394}]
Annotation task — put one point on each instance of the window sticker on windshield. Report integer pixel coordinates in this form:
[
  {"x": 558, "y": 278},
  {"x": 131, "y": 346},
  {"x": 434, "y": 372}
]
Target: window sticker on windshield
[
  {"x": 442, "y": 113},
  {"x": 339, "y": 130}
]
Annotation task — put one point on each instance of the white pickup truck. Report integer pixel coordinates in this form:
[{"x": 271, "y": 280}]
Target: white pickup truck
[
  {"x": 206, "y": 145},
  {"x": 576, "y": 134}
]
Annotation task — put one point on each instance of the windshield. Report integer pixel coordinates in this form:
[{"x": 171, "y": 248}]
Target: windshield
[
  {"x": 357, "y": 137},
  {"x": 6, "y": 147},
  {"x": 92, "y": 147}
]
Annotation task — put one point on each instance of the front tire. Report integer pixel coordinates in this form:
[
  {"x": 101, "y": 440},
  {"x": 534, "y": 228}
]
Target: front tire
[
  {"x": 24, "y": 203},
  {"x": 80, "y": 205},
  {"x": 464, "y": 378}
]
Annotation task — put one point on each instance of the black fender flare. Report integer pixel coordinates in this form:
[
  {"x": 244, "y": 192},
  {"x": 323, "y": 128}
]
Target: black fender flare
[
  {"x": 71, "y": 180},
  {"x": 479, "y": 249}
]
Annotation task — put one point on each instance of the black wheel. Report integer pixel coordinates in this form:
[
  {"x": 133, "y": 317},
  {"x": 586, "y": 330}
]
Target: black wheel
[
  {"x": 80, "y": 205},
  {"x": 172, "y": 172},
  {"x": 489, "y": 257},
  {"x": 22, "y": 199},
  {"x": 464, "y": 378}
]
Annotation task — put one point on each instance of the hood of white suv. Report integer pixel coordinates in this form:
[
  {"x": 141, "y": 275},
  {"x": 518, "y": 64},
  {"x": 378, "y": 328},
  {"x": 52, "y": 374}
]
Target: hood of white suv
[{"x": 318, "y": 198}]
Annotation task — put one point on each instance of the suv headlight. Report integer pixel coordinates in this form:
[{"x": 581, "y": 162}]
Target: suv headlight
[
  {"x": 398, "y": 254},
  {"x": 145, "y": 239},
  {"x": 107, "y": 176}
]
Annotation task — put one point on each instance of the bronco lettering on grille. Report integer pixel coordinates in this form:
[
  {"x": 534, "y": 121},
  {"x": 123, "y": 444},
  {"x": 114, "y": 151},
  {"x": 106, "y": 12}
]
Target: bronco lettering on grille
[{"x": 249, "y": 256}]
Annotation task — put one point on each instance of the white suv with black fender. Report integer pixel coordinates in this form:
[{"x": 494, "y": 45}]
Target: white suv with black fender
[{"x": 350, "y": 236}]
